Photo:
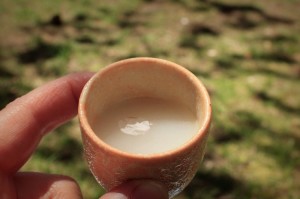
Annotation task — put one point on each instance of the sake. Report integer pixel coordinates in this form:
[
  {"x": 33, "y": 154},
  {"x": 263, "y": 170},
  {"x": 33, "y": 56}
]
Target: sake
[{"x": 146, "y": 126}]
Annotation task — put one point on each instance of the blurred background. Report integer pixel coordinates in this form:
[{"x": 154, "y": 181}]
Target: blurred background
[{"x": 246, "y": 52}]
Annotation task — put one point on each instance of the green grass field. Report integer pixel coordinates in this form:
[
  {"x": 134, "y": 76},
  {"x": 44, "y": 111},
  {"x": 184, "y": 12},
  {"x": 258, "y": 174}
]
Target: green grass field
[{"x": 247, "y": 53}]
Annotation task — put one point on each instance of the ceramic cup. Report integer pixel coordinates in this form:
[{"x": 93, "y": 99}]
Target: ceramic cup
[{"x": 143, "y": 77}]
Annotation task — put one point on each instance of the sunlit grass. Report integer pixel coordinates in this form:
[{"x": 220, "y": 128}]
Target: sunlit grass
[{"x": 246, "y": 55}]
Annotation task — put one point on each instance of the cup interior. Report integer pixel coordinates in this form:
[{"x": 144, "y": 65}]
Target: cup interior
[{"x": 145, "y": 77}]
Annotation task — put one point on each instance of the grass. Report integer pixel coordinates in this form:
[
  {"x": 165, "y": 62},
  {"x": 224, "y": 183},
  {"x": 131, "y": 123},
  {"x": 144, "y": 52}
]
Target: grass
[{"x": 245, "y": 52}]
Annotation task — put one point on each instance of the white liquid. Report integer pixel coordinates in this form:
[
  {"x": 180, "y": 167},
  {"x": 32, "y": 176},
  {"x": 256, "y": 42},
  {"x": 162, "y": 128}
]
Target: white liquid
[{"x": 146, "y": 126}]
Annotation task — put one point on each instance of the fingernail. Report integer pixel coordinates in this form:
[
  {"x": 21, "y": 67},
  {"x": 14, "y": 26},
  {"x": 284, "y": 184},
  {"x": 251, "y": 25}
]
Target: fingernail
[
  {"x": 114, "y": 195},
  {"x": 149, "y": 190}
]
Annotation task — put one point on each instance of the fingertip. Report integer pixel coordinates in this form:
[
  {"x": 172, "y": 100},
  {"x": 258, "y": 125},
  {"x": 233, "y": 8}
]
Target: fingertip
[
  {"x": 27, "y": 119},
  {"x": 150, "y": 190},
  {"x": 77, "y": 81},
  {"x": 146, "y": 189},
  {"x": 40, "y": 185}
]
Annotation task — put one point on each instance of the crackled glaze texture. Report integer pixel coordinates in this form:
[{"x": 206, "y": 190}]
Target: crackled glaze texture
[{"x": 143, "y": 77}]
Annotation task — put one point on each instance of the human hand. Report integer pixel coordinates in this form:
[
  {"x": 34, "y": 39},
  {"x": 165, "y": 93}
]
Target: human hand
[{"x": 23, "y": 124}]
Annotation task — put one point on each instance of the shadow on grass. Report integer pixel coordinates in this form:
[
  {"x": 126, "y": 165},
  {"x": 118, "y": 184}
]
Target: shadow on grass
[
  {"x": 200, "y": 73},
  {"x": 275, "y": 56},
  {"x": 226, "y": 62},
  {"x": 202, "y": 29},
  {"x": 150, "y": 52},
  {"x": 6, "y": 72},
  {"x": 284, "y": 148},
  {"x": 245, "y": 123},
  {"x": 231, "y": 65},
  {"x": 240, "y": 16},
  {"x": 129, "y": 21},
  {"x": 7, "y": 94},
  {"x": 87, "y": 39},
  {"x": 218, "y": 185},
  {"x": 61, "y": 147},
  {"x": 230, "y": 9},
  {"x": 266, "y": 98},
  {"x": 280, "y": 38},
  {"x": 194, "y": 31},
  {"x": 265, "y": 57},
  {"x": 190, "y": 41},
  {"x": 11, "y": 87},
  {"x": 130, "y": 55},
  {"x": 66, "y": 150},
  {"x": 41, "y": 52},
  {"x": 208, "y": 184},
  {"x": 56, "y": 20}
]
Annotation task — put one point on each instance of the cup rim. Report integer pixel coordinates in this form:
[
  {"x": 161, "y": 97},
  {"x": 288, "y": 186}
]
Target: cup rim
[{"x": 202, "y": 131}]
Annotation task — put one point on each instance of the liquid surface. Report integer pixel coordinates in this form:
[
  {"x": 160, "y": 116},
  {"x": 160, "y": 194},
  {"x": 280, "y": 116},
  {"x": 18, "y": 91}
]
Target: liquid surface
[{"x": 146, "y": 126}]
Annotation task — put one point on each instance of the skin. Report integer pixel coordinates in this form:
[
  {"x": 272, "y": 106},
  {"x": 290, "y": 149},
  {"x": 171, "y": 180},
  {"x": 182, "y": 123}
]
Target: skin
[{"x": 25, "y": 121}]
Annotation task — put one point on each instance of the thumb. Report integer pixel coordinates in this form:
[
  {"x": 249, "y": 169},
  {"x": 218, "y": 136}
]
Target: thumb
[{"x": 138, "y": 189}]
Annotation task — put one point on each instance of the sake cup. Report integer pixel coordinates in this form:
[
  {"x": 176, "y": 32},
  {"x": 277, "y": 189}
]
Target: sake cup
[{"x": 143, "y": 77}]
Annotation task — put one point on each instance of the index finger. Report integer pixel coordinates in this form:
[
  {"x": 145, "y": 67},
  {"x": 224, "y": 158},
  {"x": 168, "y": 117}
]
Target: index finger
[{"x": 25, "y": 120}]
